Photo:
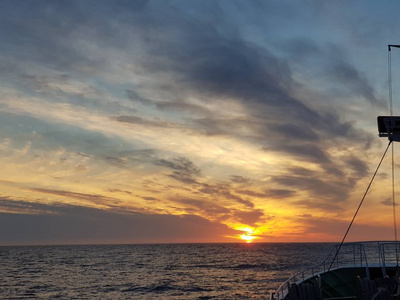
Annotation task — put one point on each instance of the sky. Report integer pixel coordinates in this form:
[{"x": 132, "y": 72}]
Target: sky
[{"x": 194, "y": 121}]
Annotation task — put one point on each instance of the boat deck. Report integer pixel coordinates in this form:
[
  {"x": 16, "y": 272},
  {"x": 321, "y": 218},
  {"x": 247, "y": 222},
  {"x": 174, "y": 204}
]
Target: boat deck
[{"x": 348, "y": 276}]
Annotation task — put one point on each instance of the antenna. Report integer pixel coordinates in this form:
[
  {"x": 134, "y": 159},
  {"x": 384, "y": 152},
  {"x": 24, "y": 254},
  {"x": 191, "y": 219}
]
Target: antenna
[{"x": 394, "y": 46}]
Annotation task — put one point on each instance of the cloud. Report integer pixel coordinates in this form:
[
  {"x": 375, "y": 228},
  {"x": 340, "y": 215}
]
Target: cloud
[
  {"x": 326, "y": 229},
  {"x": 8, "y": 205},
  {"x": 296, "y": 132},
  {"x": 271, "y": 193},
  {"x": 141, "y": 121},
  {"x": 252, "y": 193},
  {"x": 133, "y": 95},
  {"x": 103, "y": 84},
  {"x": 183, "y": 169},
  {"x": 308, "y": 152},
  {"x": 68, "y": 224},
  {"x": 346, "y": 74},
  {"x": 119, "y": 191},
  {"x": 256, "y": 78},
  {"x": 358, "y": 166},
  {"x": 94, "y": 198},
  {"x": 239, "y": 179},
  {"x": 318, "y": 204},
  {"x": 280, "y": 193},
  {"x": 211, "y": 209},
  {"x": 175, "y": 105},
  {"x": 249, "y": 217},
  {"x": 59, "y": 83},
  {"x": 224, "y": 190},
  {"x": 388, "y": 202},
  {"x": 150, "y": 198},
  {"x": 216, "y": 66},
  {"x": 238, "y": 199},
  {"x": 333, "y": 63},
  {"x": 320, "y": 189}
]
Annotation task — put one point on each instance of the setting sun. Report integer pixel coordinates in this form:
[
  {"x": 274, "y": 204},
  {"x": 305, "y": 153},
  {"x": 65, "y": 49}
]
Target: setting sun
[
  {"x": 247, "y": 238},
  {"x": 247, "y": 235}
]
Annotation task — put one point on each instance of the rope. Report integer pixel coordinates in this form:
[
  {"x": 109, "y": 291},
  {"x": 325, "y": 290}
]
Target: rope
[
  {"x": 359, "y": 206},
  {"x": 394, "y": 211},
  {"x": 393, "y": 165}
]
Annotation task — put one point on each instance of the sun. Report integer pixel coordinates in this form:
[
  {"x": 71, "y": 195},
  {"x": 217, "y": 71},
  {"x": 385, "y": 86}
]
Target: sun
[{"x": 247, "y": 236}]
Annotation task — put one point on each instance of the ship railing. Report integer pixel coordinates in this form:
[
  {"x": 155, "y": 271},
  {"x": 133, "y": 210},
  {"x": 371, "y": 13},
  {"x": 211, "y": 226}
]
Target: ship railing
[
  {"x": 389, "y": 255},
  {"x": 350, "y": 255}
]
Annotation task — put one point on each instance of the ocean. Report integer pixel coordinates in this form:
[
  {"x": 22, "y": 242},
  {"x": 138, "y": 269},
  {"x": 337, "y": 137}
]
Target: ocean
[{"x": 159, "y": 271}]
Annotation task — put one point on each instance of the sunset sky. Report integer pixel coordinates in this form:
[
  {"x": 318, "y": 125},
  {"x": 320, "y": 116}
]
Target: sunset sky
[{"x": 194, "y": 121}]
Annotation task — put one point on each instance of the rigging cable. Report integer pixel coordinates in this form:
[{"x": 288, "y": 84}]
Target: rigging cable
[
  {"x": 359, "y": 206},
  {"x": 394, "y": 212},
  {"x": 393, "y": 164}
]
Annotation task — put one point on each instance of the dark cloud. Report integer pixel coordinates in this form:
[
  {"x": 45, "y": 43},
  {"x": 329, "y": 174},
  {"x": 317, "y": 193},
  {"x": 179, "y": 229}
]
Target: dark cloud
[
  {"x": 133, "y": 95},
  {"x": 388, "y": 202},
  {"x": 176, "y": 105},
  {"x": 202, "y": 52},
  {"x": 10, "y": 206},
  {"x": 128, "y": 159},
  {"x": 269, "y": 194},
  {"x": 238, "y": 199},
  {"x": 67, "y": 224},
  {"x": 117, "y": 161},
  {"x": 150, "y": 198},
  {"x": 320, "y": 189},
  {"x": 346, "y": 74},
  {"x": 249, "y": 217},
  {"x": 110, "y": 201},
  {"x": 219, "y": 66},
  {"x": 242, "y": 128},
  {"x": 183, "y": 107},
  {"x": 383, "y": 176},
  {"x": 301, "y": 171},
  {"x": 215, "y": 64},
  {"x": 296, "y": 132},
  {"x": 142, "y": 121},
  {"x": 251, "y": 193},
  {"x": 224, "y": 190},
  {"x": 183, "y": 169},
  {"x": 211, "y": 209},
  {"x": 45, "y": 32},
  {"x": 280, "y": 193},
  {"x": 329, "y": 171},
  {"x": 215, "y": 211},
  {"x": 309, "y": 152},
  {"x": 358, "y": 166},
  {"x": 333, "y": 63},
  {"x": 119, "y": 191},
  {"x": 239, "y": 179}
]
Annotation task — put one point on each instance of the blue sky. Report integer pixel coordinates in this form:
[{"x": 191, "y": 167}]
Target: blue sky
[{"x": 193, "y": 121}]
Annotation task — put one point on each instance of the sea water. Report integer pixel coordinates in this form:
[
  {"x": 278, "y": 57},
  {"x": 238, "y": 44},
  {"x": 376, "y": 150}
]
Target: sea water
[{"x": 161, "y": 271}]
